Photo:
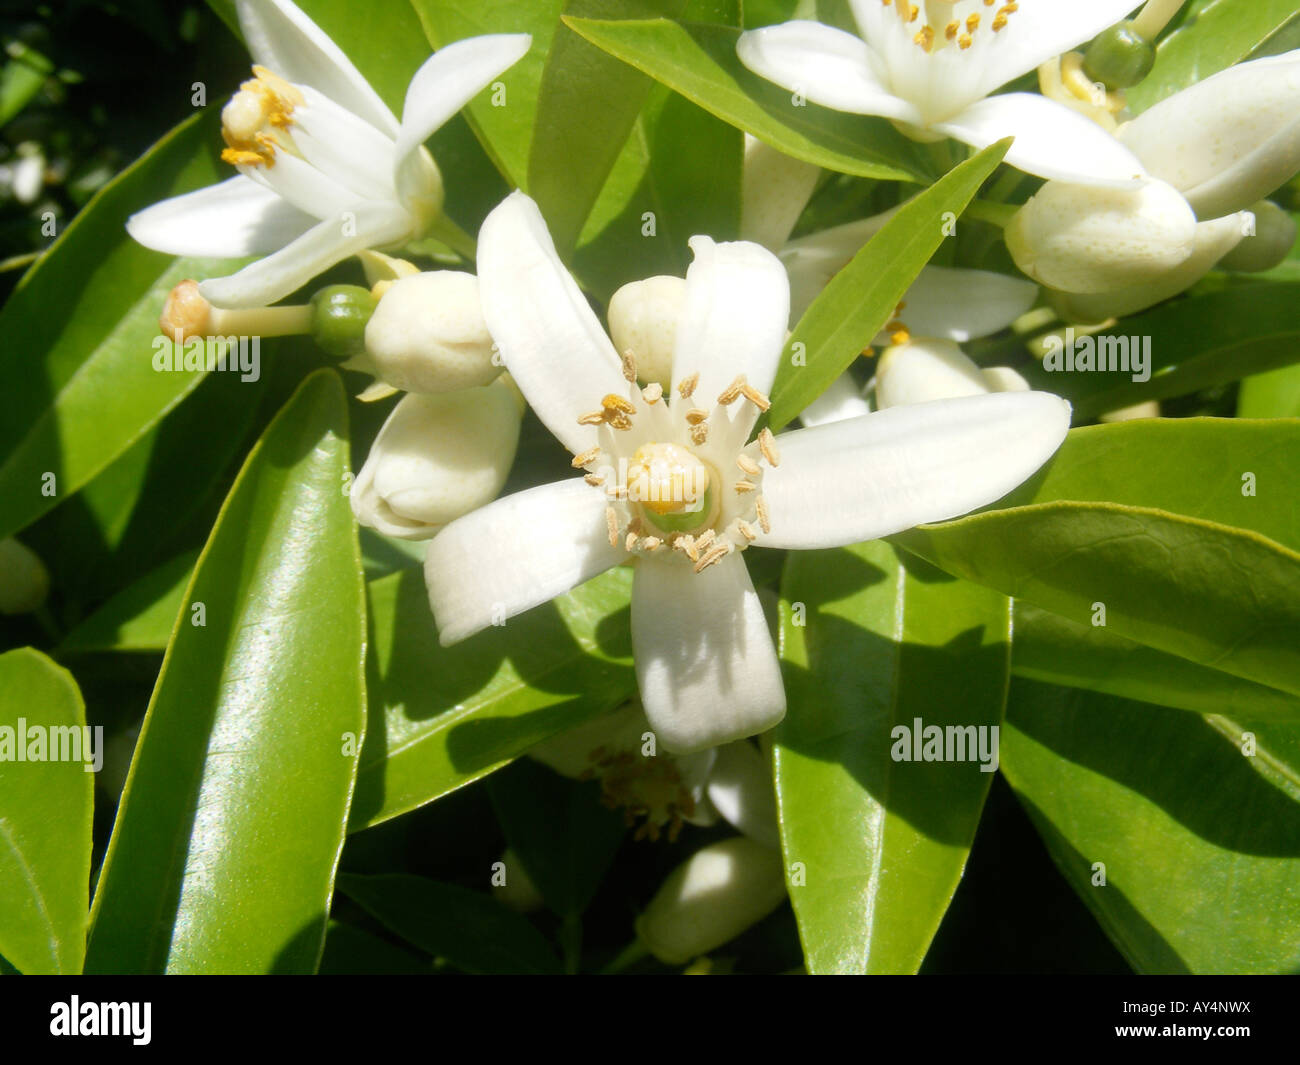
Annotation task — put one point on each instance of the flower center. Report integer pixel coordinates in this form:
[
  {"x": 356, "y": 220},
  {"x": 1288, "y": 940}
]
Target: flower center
[
  {"x": 648, "y": 788},
  {"x": 951, "y": 22},
  {"x": 255, "y": 122},
  {"x": 680, "y": 479}
]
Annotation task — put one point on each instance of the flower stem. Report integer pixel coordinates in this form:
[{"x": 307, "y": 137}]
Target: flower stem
[
  {"x": 998, "y": 214},
  {"x": 627, "y": 957},
  {"x": 455, "y": 238},
  {"x": 1155, "y": 16}
]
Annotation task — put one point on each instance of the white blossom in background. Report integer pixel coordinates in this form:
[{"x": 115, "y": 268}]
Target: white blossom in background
[
  {"x": 325, "y": 168},
  {"x": 673, "y": 481},
  {"x": 933, "y": 66}
]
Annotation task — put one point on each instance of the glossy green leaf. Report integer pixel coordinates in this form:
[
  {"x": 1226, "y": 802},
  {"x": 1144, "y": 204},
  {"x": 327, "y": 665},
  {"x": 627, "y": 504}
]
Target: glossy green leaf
[
  {"x": 1224, "y": 32},
  {"x": 1051, "y": 648},
  {"x": 700, "y": 63},
  {"x": 80, "y": 386},
  {"x": 1223, "y": 597},
  {"x": 1200, "y": 853},
  {"x": 467, "y": 929},
  {"x": 559, "y": 831},
  {"x": 223, "y": 853},
  {"x": 506, "y": 132},
  {"x": 862, "y": 297},
  {"x": 454, "y": 714},
  {"x": 1275, "y": 394},
  {"x": 574, "y": 145},
  {"x": 1191, "y": 466},
  {"x": 1195, "y": 342},
  {"x": 45, "y": 815},
  {"x": 873, "y": 641},
  {"x": 141, "y": 617}
]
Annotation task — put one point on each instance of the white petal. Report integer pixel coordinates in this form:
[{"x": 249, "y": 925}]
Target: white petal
[
  {"x": 842, "y": 400},
  {"x": 777, "y": 187},
  {"x": 889, "y": 471},
  {"x": 1004, "y": 379},
  {"x": 235, "y": 218},
  {"x": 351, "y": 151},
  {"x": 271, "y": 279},
  {"x": 705, "y": 661},
  {"x": 451, "y": 78},
  {"x": 550, "y": 339},
  {"x": 285, "y": 40},
  {"x": 955, "y": 304},
  {"x": 740, "y": 789},
  {"x": 734, "y": 322},
  {"x": 924, "y": 370},
  {"x": 1052, "y": 141},
  {"x": 825, "y": 65},
  {"x": 1041, "y": 31},
  {"x": 515, "y": 554},
  {"x": 1227, "y": 141}
]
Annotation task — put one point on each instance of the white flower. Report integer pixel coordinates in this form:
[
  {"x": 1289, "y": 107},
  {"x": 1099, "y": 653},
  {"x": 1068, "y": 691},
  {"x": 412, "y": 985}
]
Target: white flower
[
  {"x": 927, "y": 369},
  {"x": 674, "y": 482},
  {"x": 325, "y": 169},
  {"x": 428, "y": 335},
  {"x": 776, "y": 188},
  {"x": 24, "y": 581},
  {"x": 643, "y": 317},
  {"x": 1227, "y": 141},
  {"x": 1079, "y": 238},
  {"x": 437, "y": 457},
  {"x": 930, "y": 67}
]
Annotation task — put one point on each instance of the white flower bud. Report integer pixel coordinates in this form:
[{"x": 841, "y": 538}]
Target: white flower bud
[
  {"x": 428, "y": 335},
  {"x": 776, "y": 188},
  {"x": 714, "y": 896},
  {"x": 438, "y": 457},
  {"x": 643, "y": 317},
  {"x": 1268, "y": 246},
  {"x": 1227, "y": 141},
  {"x": 24, "y": 581},
  {"x": 516, "y": 890},
  {"x": 1083, "y": 238},
  {"x": 1213, "y": 241},
  {"x": 926, "y": 369}
]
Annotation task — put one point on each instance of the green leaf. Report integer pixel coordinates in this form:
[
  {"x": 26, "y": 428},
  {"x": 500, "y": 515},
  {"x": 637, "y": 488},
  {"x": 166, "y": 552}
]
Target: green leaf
[
  {"x": 80, "y": 387},
  {"x": 1189, "y": 466},
  {"x": 1275, "y": 394},
  {"x": 1224, "y": 32},
  {"x": 559, "y": 830},
  {"x": 574, "y": 145},
  {"x": 223, "y": 853},
  {"x": 1201, "y": 853},
  {"x": 454, "y": 714},
  {"x": 862, "y": 297},
  {"x": 506, "y": 132},
  {"x": 45, "y": 816},
  {"x": 1051, "y": 648},
  {"x": 141, "y": 617},
  {"x": 467, "y": 929},
  {"x": 700, "y": 62},
  {"x": 353, "y": 952},
  {"x": 1223, "y": 597},
  {"x": 1196, "y": 342},
  {"x": 881, "y": 843}
]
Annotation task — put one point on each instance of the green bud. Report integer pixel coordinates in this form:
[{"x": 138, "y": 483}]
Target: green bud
[
  {"x": 684, "y": 520},
  {"x": 339, "y": 314},
  {"x": 1119, "y": 57},
  {"x": 1267, "y": 244}
]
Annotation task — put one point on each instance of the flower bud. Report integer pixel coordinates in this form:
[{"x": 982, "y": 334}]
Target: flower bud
[
  {"x": 438, "y": 457},
  {"x": 1119, "y": 57},
  {"x": 24, "y": 581},
  {"x": 515, "y": 889},
  {"x": 1268, "y": 246},
  {"x": 1227, "y": 141},
  {"x": 339, "y": 314},
  {"x": 714, "y": 896},
  {"x": 1083, "y": 238},
  {"x": 925, "y": 369},
  {"x": 428, "y": 334},
  {"x": 643, "y": 318},
  {"x": 1213, "y": 241},
  {"x": 776, "y": 189}
]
